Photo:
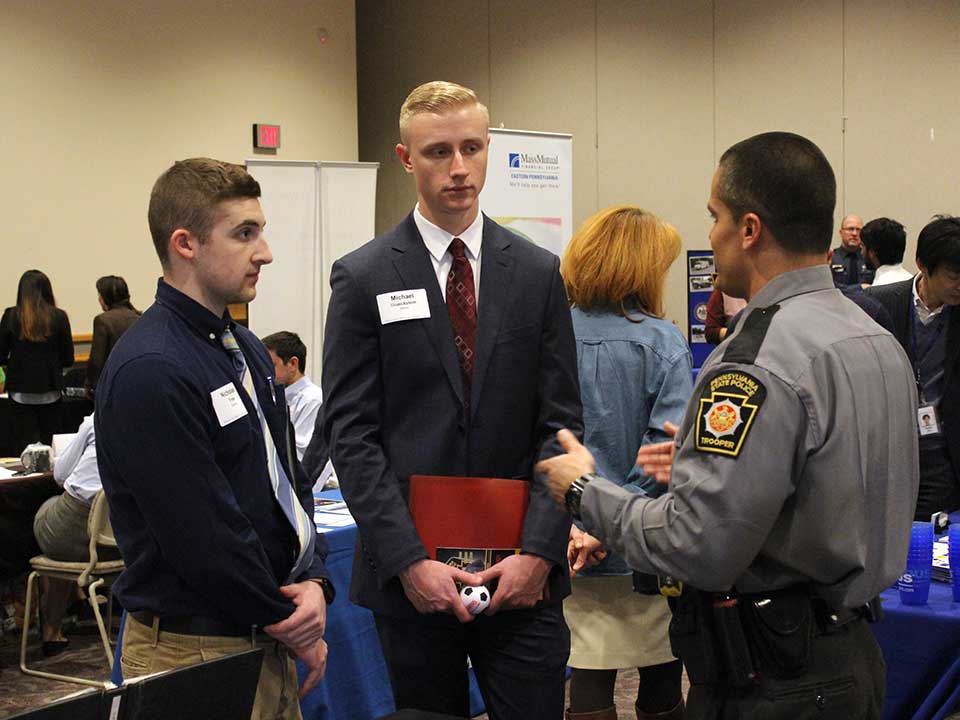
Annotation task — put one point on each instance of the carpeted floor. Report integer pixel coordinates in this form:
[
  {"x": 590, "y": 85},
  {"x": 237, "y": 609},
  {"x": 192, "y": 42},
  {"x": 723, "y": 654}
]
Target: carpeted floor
[{"x": 84, "y": 657}]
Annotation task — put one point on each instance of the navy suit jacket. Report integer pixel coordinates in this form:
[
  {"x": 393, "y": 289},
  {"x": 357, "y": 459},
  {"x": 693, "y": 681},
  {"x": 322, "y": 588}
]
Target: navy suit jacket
[
  {"x": 897, "y": 298},
  {"x": 393, "y": 397}
]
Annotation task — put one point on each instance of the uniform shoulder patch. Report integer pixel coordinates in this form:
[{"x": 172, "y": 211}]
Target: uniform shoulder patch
[{"x": 728, "y": 405}]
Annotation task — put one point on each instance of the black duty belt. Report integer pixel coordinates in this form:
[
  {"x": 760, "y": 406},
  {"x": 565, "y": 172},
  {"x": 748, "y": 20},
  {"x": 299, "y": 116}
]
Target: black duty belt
[{"x": 194, "y": 625}]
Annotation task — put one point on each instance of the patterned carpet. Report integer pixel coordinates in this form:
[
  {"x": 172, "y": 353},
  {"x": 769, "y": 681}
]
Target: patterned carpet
[{"x": 84, "y": 657}]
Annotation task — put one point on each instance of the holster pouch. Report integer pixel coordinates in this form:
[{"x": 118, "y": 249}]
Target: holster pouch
[
  {"x": 780, "y": 625},
  {"x": 692, "y": 637},
  {"x": 645, "y": 583},
  {"x": 734, "y": 649}
]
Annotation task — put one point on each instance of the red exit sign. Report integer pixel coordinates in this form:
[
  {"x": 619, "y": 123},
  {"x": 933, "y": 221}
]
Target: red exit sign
[{"x": 266, "y": 136}]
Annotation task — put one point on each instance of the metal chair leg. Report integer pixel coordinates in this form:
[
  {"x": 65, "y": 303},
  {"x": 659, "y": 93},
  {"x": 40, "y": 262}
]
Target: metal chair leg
[
  {"x": 92, "y": 595},
  {"x": 23, "y": 644},
  {"x": 26, "y": 623}
]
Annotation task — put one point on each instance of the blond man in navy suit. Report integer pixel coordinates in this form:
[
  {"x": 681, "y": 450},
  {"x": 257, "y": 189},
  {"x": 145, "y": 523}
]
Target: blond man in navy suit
[{"x": 406, "y": 394}]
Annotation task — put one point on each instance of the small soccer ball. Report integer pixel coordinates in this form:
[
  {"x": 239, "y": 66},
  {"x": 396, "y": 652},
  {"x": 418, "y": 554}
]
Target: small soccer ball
[{"x": 475, "y": 599}]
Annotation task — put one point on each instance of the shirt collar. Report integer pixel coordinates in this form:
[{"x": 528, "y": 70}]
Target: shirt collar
[
  {"x": 923, "y": 312},
  {"x": 895, "y": 268},
  {"x": 795, "y": 282},
  {"x": 296, "y": 388},
  {"x": 196, "y": 315},
  {"x": 438, "y": 240}
]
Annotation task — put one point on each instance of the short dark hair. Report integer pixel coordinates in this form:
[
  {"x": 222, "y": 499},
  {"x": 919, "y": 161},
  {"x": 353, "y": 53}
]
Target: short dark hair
[
  {"x": 939, "y": 244},
  {"x": 187, "y": 194},
  {"x": 886, "y": 238},
  {"x": 287, "y": 345},
  {"x": 787, "y": 181}
]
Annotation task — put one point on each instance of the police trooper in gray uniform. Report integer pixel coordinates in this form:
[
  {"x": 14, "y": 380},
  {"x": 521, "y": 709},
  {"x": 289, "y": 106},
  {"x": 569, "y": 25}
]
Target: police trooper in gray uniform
[{"x": 793, "y": 474}]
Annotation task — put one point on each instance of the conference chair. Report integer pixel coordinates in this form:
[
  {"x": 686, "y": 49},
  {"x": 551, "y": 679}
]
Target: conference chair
[{"x": 89, "y": 575}]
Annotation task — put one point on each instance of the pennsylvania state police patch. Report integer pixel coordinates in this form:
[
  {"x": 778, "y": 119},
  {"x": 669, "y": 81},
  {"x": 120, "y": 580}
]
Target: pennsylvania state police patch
[{"x": 729, "y": 404}]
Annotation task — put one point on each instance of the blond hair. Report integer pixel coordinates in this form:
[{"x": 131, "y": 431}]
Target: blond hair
[
  {"x": 618, "y": 261},
  {"x": 437, "y": 97}
]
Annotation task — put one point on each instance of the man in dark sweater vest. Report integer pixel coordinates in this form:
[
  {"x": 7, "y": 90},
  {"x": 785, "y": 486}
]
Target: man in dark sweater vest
[{"x": 927, "y": 324}]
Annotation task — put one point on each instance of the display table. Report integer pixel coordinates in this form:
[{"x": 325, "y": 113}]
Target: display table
[
  {"x": 921, "y": 646},
  {"x": 356, "y": 685},
  {"x": 20, "y": 498}
]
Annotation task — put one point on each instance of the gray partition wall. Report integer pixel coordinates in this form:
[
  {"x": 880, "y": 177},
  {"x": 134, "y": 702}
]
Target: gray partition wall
[{"x": 654, "y": 90}]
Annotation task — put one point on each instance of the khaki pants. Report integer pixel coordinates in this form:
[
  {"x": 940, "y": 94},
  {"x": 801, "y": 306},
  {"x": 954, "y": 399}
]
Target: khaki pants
[{"x": 147, "y": 651}]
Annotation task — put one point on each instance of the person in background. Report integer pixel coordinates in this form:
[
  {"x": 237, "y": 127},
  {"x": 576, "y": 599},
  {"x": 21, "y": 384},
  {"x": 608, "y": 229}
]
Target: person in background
[
  {"x": 847, "y": 262},
  {"x": 60, "y": 526},
  {"x": 721, "y": 308},
  {"x": 304, "y": 397},
  {"x": 36, "y": 344},
  {"x": 884, "y": 241},
  {"x": 117, "y": 317},
  {"x": 926, "y": 321},
  {"x": 635, "y": 376}
]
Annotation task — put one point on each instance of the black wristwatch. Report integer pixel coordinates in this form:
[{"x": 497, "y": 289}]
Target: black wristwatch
[{"x": 575, "y": 492}]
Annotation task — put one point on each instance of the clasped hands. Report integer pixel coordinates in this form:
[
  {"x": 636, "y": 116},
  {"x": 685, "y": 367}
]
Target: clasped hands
[{"x": 431, "y": 585}]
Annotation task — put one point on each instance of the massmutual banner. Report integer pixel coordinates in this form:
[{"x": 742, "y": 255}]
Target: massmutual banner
[{"x": 529, "y": 186}]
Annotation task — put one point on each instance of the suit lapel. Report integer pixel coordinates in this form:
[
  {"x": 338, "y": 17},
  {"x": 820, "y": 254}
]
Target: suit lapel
[
  {"x": 412, "y": 262},
  {"x": 953, "y": 346},
  {"x": 496, "y": 275}
]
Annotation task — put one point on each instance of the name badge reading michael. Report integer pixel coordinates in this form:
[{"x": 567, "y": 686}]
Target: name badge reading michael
[
  {"x": 227, "y": 404},
  {"x": 403, "y": 305}
]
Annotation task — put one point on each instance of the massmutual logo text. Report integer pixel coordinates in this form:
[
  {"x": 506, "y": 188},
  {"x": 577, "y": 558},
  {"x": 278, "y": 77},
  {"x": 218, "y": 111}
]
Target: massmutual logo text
[{"x": 530, "y": 161}]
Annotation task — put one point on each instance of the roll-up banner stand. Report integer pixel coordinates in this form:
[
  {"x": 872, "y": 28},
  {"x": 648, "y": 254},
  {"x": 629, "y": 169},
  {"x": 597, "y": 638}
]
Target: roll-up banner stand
[
  {"x": 700, "y": 276},
  {"x": 529, "y": 187}
]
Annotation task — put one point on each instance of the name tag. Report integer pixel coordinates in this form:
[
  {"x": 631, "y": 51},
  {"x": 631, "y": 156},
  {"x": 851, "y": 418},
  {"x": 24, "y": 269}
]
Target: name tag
[
  {"x": 403, "y": 305},
  {"x": 227, "y": 404}
]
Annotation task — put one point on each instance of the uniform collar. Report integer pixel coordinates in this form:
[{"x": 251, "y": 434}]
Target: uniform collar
[
  {"x": 438, "y": 240},
  {"x": 795, "y": 282},
  {"x": 193, "y": 313}
]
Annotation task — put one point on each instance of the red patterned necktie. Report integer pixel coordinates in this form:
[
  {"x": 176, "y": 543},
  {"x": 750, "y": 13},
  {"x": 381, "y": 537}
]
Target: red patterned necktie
[{"x": 462, "y": 307}]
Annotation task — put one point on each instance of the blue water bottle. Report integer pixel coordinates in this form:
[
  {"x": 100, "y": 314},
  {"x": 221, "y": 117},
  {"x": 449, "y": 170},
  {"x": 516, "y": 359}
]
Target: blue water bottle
[
  {"x": 953, "y": 537},
  {"x": 914, "y": 584}
]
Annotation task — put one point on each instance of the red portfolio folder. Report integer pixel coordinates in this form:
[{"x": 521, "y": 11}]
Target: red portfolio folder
[{"x": 468, "y": 512}]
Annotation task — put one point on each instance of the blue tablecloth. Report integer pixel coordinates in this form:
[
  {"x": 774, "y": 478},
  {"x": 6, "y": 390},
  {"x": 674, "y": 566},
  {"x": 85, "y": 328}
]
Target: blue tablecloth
[
  {"x": 356, "y": 686},
  {"x": 921, "y": 646}
]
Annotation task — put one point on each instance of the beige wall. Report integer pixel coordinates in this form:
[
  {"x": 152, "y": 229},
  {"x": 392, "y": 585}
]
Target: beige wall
[
  {"x": 98, "y": 98},
  {"x": 654, "y": 91}
]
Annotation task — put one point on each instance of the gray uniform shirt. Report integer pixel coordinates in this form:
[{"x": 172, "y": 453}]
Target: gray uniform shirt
[{"x": 796, "y": 459}]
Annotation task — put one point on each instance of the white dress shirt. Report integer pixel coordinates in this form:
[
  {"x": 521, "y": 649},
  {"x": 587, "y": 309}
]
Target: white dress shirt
[
  {"x": 438, "y": 241},
  {"x": 76, "y": 467},
  {"x": 304, "y": 399},
  {"x": 887, "y": 274},
  {"x": 925, "y": 314}
]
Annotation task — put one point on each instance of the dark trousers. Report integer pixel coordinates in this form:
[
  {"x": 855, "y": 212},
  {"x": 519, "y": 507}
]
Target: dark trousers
[
  {"x": 844, "y": 680},
  {"x": 35, "y": 423},
  {"x": 939, "y": 489},
  {"x": 519, "y": 658}
]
